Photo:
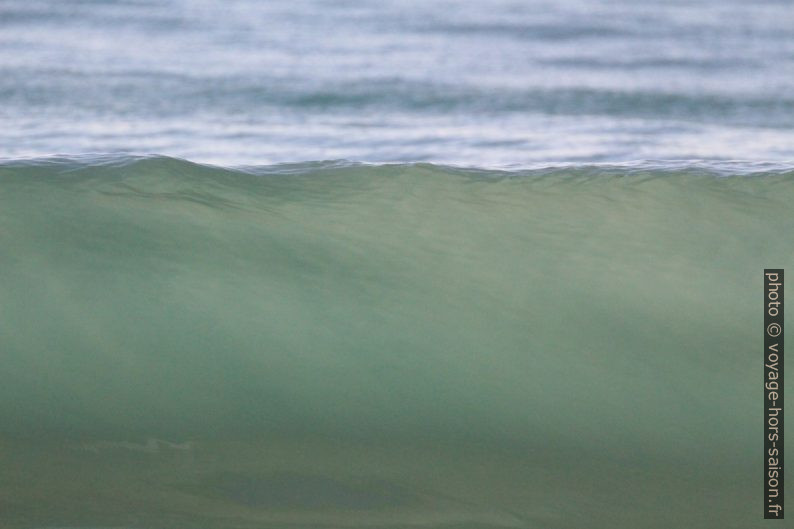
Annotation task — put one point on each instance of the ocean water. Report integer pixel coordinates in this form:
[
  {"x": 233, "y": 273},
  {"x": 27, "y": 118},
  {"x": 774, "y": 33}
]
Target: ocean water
[
  {"x": 406, "y": 345},
  {"x": 389, "y": 265},
  {"x": 479, "y": 83}
]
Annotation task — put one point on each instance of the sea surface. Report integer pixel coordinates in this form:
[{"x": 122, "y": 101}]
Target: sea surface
[
  {"x": 479, "y": 83},
  {"x": 389, "y": 265}
]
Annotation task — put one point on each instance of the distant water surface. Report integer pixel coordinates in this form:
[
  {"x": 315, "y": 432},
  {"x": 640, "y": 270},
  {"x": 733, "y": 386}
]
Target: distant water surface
[{"x": 497, "y": 82}]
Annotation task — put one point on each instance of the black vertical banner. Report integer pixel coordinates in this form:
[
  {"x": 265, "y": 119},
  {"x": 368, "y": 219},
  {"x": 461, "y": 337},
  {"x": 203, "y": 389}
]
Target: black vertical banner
[{"x": 773, "y": 394}]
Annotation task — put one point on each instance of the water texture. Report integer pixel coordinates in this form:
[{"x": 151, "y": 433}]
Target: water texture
[
  {"x": 338, "y": 344},
  {"x": 481, "y": 83},
  {"x": 328, "y": 264}
]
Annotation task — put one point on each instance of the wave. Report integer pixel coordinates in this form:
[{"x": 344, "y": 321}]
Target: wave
[{"x": 538, "y": 331}]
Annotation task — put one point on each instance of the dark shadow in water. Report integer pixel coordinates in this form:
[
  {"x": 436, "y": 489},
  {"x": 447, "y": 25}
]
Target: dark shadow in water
[{"x": 298, "y": 491}]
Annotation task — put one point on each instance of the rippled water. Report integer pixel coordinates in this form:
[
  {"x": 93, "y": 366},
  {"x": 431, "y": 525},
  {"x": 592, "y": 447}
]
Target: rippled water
[
  {"x": 474, "y": 83},
  {"x": 487, "y": 310}
]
